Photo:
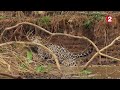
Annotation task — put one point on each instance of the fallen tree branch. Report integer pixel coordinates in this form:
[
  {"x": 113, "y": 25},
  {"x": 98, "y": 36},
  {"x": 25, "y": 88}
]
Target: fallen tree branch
[
  {"x": 109, "y": 56},
  {"x": 24, "y": 23},
  {"x": 52, "y": 34},
  {"x": 33, "y": 43},
  {"x": 27, "y": 23},
  {"x": 99, "y": 52},
  {"x": 87, "y": 64},
  {"x": 95, "y": 55},
  {"x": 58, "y": 34},
  {"x": 61, "y": 34},
  {"x": 106, "y": 47}
]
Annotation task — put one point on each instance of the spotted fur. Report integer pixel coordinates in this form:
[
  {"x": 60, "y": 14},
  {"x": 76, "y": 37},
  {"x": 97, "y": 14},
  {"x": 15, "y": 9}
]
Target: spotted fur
[{"x": 65, "y": 57}]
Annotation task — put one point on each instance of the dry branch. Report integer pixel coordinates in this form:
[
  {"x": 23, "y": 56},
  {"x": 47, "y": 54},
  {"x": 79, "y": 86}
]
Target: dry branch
[
  {"x": 24, "y": 23},
  {"x": 109, "y": 56},
  {"x": 27, "y": 23},
  {"x": 99, "y": 52},
  {"x": 32, "y": 43},
  {"x": 11, "y": 76},
  {"x": 106, "y": 47},
  {"x": 58, "y": 34},
  {"x": 87, "y": 64},
  {"x": 52, "y": 34}
]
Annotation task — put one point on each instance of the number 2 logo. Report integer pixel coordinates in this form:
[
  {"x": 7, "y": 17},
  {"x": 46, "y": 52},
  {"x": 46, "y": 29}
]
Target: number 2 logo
[{"x": 109, "y": 19}]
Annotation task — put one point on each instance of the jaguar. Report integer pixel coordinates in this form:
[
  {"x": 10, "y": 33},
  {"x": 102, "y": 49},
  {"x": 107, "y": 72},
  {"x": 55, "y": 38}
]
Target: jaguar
[{"x": 64, "y": 56}]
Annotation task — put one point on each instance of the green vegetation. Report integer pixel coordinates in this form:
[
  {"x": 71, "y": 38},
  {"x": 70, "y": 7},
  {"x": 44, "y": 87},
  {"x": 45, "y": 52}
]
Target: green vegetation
[
  {"x": 97, "y": 16},
  {"x": 45, "y": 20},
  {"x": 88, "y": 24},
  {"x": 86, "y": 72},
  {"x": 29, "y": 56},
  {"x": 21, "y": 61},
  {"x": 40, "y": 68},
  {"x": 2, "y": 17}
]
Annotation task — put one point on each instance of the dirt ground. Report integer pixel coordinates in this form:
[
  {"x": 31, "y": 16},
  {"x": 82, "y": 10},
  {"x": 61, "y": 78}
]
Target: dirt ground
[{"x": 14, "y": 58}]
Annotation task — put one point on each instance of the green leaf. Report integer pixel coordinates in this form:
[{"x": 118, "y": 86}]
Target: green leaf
[
  {"x": 29, "y": 55},
  {"x": 40, "y": 68}
]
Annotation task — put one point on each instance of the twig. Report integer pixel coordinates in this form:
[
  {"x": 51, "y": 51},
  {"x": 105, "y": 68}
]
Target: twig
[
  {"x": 11, "y": 76},
  {"x": 14, "y": 33}
]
